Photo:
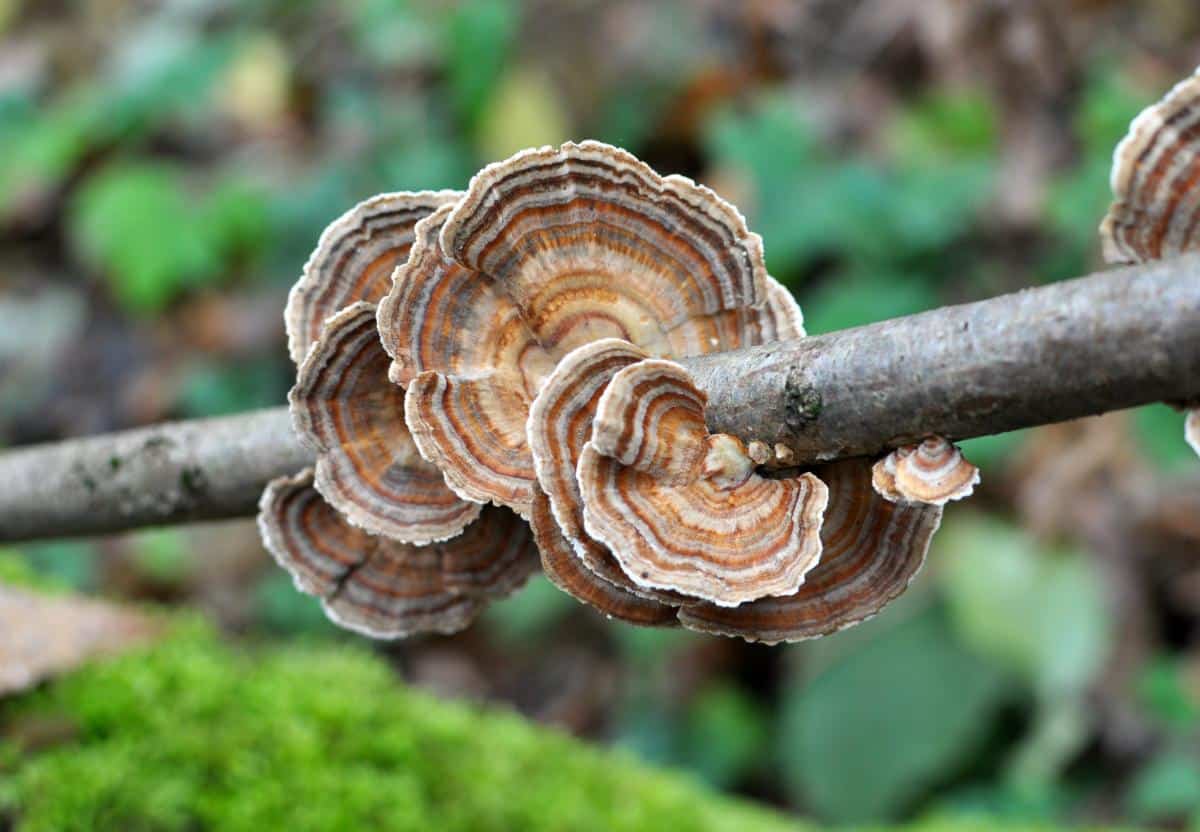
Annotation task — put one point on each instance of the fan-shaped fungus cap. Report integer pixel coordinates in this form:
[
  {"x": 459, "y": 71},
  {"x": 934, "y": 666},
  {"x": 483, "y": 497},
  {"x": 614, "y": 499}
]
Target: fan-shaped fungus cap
[
  {"x": 384, "y": 588},
  {"x": 471, "y": 367},
  {"x": 560, "y": 422},
  {"x": 354, "y": 260},
  {"x": 684, "y": 510},
  {"x": 367, "y": 464},
  {"x": 933, "y": 472},
  {"x": 1156, "y": 181},
  {"x": 548, "y": 250},
  {"x": 871, "y": 550},
  {"x": 1191, "y": 429}
]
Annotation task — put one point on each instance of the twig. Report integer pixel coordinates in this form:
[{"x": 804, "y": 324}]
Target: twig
[{"x": 1106, "y": 342}]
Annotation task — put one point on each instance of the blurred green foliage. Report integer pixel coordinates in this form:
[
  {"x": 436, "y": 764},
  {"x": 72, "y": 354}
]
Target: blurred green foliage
[
  {"x": 882, "y": 723},
  {"x": 142, "y": 226}
]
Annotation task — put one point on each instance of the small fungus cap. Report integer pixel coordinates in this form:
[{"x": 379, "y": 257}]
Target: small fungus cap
[
  {"x": 683, "y": 510},
  {"x": 1191, "y": 429},
  {"x": 471, "y": 367},
  {"x": 1156, "y": 181},
  {"x": 933, "y": 472},
  {"x": 870, "y": 550},
  {"x": 383, "y": 588}
]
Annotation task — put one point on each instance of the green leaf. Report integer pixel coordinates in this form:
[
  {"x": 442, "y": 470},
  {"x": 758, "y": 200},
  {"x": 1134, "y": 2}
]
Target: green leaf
[
  {"x": 1165, "y": 691},
  {"x": 947, "y": 122},
  {"x": 852, "y": 299},
  {"x": 530, "y": 613},
  {"x": 281, "y": 609},
  {"x": 136, "y": 223},
  {"x": 1040, "y": 612},
  {"x": 162, "y": 555},
  {"x": 724, "y": 734},
  {"x": 865, "y": 737},
  {"x": 525, "y": 110},
  {"x": 477, "y": 43},
  {"x": 1159, "y": 432},
  {"x": 1169, "y": 787}
]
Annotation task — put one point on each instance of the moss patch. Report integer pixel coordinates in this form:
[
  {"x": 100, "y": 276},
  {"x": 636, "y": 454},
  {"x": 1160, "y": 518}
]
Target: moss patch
[{"x": 194, "y": 734}]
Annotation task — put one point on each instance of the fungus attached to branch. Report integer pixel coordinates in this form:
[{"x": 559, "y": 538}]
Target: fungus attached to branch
[
  {"x": 560, "y": 422},
  {"x": 547, "y": 251},
  {"x": 383, "y": 588},
  {"x": 565, "y": 570},
  {"x": 367, "y": 464},
  {"x": 1156, "y": 189},
  {"x": 933, "y": 472},
  {"x": 683, "y": 510},
  {"x": 871, "y": 550}
]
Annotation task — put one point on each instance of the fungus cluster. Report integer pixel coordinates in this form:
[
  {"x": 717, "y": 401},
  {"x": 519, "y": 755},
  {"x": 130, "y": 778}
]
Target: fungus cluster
[
  {"x": 1156, "y": 191},
  {"x": 491, "y": 383}
]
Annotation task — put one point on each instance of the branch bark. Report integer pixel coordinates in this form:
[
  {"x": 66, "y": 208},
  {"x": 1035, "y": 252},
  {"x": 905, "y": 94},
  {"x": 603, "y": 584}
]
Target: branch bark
[{"x": 1110, "y": 341}]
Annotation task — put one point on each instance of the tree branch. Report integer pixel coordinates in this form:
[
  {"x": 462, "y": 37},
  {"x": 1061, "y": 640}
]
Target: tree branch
[
  {"x": 1110, "y": 341},
  {"x": 172, "y": 473}
]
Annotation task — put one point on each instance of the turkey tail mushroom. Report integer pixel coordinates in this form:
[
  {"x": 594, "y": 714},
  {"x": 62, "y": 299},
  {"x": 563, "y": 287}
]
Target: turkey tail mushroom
[
  {"x": 354, "y": 260},
  {"x": 549, "y": 250},
  {"x": 684, "y": 510},
  {"x": 871, "y": 549},
  {"x": 471, "y": 367},
  {"x": 932, "y": 472},
  {"x": 368, "y": 467},
  {"x": 559, "y": 425},
  {"x": 383, "y": 588},
  {"x": 1156, "y": 189}
]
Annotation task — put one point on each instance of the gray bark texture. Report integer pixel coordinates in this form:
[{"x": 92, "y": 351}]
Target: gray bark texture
[
  {"x": 1106, "y": 342},
  {"x": 1110, "y": 341},
  {"x": 172, "y": 473}
]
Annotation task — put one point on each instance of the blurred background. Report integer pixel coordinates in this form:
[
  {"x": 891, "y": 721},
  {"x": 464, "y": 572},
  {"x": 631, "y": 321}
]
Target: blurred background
[{"x": 166, "y": 168}]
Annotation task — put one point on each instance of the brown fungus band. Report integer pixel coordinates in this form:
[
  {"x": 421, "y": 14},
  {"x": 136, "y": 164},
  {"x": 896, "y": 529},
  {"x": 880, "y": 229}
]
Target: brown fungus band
[
  {"x": 354, "y": 260},
  {"x": 368, "y": 466},
  {"x": 684, "y": 510}
]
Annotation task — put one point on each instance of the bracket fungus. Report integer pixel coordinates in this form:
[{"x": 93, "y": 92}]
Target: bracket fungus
[
  {"x": 871, "y": 549},
  {"x": 368, "y": 466},
  {"x": 384, "y": 588},
  {"x": 933, "y": 472},
  {"x": 684, "y": 510},
  {"x": 1156, "y": 190},
  {"x": 356, "y": 531},
  {"x": 509, "y": 345},
  {"x": 546, "y": 251}
]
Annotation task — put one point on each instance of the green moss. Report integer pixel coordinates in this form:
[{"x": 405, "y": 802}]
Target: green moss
[{"x": 197, "y": 735}]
